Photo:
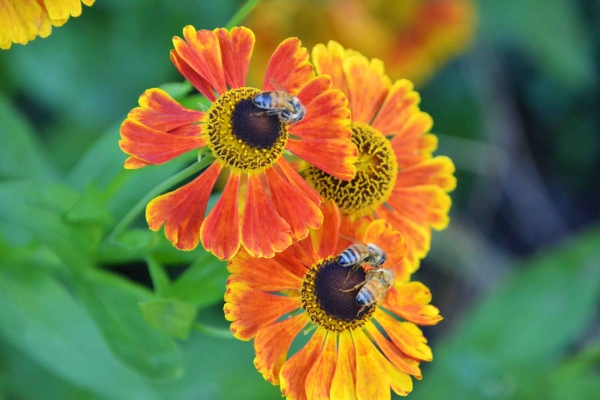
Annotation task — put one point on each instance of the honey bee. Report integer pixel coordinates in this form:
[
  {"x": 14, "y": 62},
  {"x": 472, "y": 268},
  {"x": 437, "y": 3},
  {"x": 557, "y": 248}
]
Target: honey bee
[
  {"x": 374, "y": 288},
  {"x": 359, "y": 253},
  {"x": 279, "y": 102}
]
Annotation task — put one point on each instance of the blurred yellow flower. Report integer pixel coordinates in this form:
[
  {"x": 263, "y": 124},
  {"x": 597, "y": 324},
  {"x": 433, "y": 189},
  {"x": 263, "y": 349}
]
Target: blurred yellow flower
[
  {"x": 413, "y": 37},
  {"x": 22, "y": 20}
]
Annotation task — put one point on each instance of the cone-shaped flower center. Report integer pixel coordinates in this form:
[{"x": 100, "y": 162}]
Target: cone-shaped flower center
[
  {"x": 376, "y": 171},
  {"x": 326, "y": 304},
  {"x": 243, "y": 136}
]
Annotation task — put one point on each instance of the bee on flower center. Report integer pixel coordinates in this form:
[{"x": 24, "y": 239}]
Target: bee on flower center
[
  {"x": 279, "y": 102},
  {"x": 374, "y": 288},
  {"x": 359, "y": 253}
]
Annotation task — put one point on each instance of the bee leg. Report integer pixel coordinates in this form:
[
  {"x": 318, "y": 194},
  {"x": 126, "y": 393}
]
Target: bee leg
[
  {"x": 349, "y": 274},
  {"x": 361, "y": 310},
  {"x": 354, "y": 288}
]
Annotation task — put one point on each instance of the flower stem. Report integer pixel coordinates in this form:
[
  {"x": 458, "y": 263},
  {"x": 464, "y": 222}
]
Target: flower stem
[
  {"x": 241, "y": 14},
  {"x": 159, "y": 189}
]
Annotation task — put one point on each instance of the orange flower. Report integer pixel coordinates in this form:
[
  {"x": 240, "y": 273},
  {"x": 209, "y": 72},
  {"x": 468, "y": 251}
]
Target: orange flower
[
  {"x": 348, "y": 356},
  {"x": 415, "y": 38},
  {"x": 22, "y": 20},
  {"x": 279, "y": 206},
  {"x": 397, "y": 178}
]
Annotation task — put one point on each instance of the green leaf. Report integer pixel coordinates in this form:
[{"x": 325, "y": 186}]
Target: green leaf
[
  {"x": 173, "y": 317},
  {"x": 203, "y": 283},
  {"x": 21, "y": 155},
  {"x": 518, "y": 332},
  {"x": 40, "y": 318},
  {"x": 113, "y": 304},
  {"x": 550, "y": 31},
  {"x": 177, "y": 90},
  {"x": 160, "y": 279}
]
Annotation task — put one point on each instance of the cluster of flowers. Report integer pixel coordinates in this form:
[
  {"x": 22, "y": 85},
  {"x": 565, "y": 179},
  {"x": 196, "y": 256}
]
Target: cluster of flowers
[{"x": 357, "y": 164}]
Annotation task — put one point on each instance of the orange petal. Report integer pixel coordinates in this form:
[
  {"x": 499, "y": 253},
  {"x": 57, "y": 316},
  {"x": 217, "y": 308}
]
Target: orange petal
[
  {"x": 298, "y": 258},
  {"x": 411, "y": 302},
  {"x": 388, "y": 239},
  {"x": 329, "y": 60},
  {"x": 400, "y": 103},
  {"x": 294, "y": 371},
  {"x": 203, "y": 54},
  {"x": 436, "y": 171},
  {"x": 326, "y": 118},
  {"x": 371, "y": 382},
  {"x": 182, "y": 211},
  {"x": 425, "y": 205},
  {"x": 152, "y": 146},
  {"x": 367, "y": 86},
  {"x": 264, "y": 232},
  {"x": 343, "y": 383},
  {"x": 220, "y": 231},
  {"x": 159, "y": 111},
  {"x": 298, "y": 182},
  {"x": 289, "y": 66},
  {"x": 334, "y": 156},
  {"x": 236, "y": 50},
  {"x": 262, "y": 274},
  {"x": 251, "y": 309},
  {"x": 412, "y": 144},
  {"x": 391, "y": 351},
  {"x": 134, "y": 163},
  {"x": 272, "y": 344},
  {"x": 320, "y": 376},
  {"x": 313, "y": 88},
  {"x": 296, "y": 209},
  {"x": 325, "y": 238},
  {"x": 407, "y": 336},
  {"x": 191, "y": 75}
]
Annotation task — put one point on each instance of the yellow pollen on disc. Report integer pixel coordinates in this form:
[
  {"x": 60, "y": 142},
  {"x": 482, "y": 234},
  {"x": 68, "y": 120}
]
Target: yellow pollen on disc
[
  {"x": 241, "y": 135},
  {"x": 376, "y": 172},
  {"x": 325, "y": 302}
]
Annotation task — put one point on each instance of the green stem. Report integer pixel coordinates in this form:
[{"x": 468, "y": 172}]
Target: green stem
[
  {"x": 241, "y": 14},
  {"x": 213, "y": 332},
  {"x": 159, "y": 189}
]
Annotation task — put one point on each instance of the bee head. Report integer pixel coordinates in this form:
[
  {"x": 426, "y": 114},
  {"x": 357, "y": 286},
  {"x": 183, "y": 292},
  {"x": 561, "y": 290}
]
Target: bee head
[{"x": 387, "y": 276}]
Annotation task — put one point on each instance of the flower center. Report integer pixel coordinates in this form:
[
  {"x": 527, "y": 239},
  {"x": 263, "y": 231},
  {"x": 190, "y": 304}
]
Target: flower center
[
  {"x": 376, "y": 171},
  {"x": 243, "y": 136},
  {"x": 325, "y": 302}
]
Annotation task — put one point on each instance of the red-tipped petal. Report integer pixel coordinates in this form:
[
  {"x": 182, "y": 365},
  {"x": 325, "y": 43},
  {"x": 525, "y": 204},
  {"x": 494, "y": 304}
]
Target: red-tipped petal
[
  {"x": 315, "y": 87},
  {"x": 298, "y": 258},
  {"x": 182, "y": 211},
  {"x": 294, "y": 371},
  {"x": 293, "y": 206},
  {"x": 220, "y": 231},
  {"x": 334, "y": 156},
  {"x": 326, "y": 118},
  {"x": 425, "y": 205},
  {"x": 401, "y": 102},
  {"x": 265, "y": 274},
  {"x": 367, "y": 86},
  {"x": 329, "y": 61},
  {"x": 264, "y": 232},
  {"x": 272, "y": 344},
  {"x": 436, "y": 171},
  {"x": 203, "y": 54},
  {"x": 159, "y": 111},
  {"x": 248, "y": 309},
  {"x": 318, "y": 380},
  {"x": 236, "y": 50},
  {"x": 152, "y": 146},
  {"x": 343, "y": 385},
  {"x": 289, "y": 66},
  {"x": 195, "y": 79},
  {"x": 412, "y": 144},
  {"x": 325, "y": 238},
  {"x": 298, "y": 182}
]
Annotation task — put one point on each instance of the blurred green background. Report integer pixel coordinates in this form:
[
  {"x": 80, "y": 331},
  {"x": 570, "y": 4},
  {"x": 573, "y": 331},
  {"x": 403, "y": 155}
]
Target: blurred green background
[{"x": 516, "y": 275}]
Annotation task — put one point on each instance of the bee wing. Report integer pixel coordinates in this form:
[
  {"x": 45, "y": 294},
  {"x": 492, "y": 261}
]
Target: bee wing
[
  {"x": 277, "y": 85},
  {"x": 352, "y": 240}
]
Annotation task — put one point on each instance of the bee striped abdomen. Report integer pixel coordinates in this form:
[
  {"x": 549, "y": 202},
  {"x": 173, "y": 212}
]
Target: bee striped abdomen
[
  {"x": 365, "y": 298},
  {"x": 349, "y": 257}
]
